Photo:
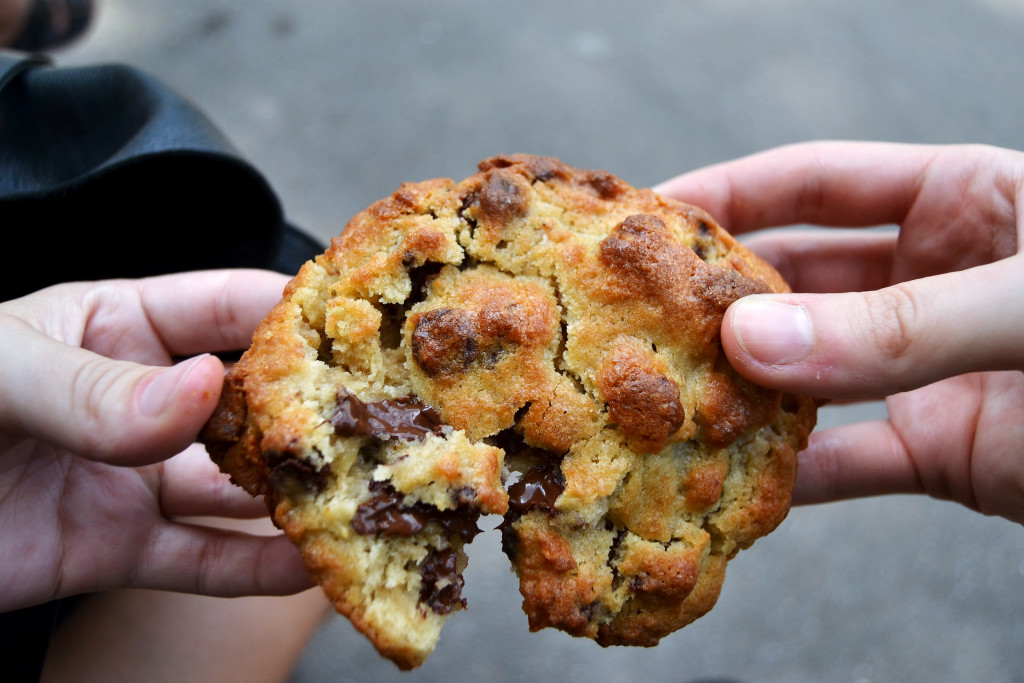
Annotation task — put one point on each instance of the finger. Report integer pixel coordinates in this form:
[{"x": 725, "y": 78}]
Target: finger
[
  {"x": 208, "y": 561},
  {"x": 854, "y": 461},
  {"x": 825, "y": 183},
  {"x": 874, "y": 344},
  {"x": 213, "y": 310},
  {"x": 114, "y": 411},
  {"x": 193, "y": 485},
  {"x": 827, "y": 261}
]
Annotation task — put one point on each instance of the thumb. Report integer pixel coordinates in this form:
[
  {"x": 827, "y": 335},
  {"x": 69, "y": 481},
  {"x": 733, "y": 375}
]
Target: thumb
[
  {"x": 114, "y": 411},
  {"x": 874, "y": 344}
]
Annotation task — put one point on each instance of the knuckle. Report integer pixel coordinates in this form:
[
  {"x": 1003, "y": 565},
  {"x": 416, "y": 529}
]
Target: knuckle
[
  {"x": 258, "y": 581},
  {"x": 225, "y": 316},
  {"x": 139, "y": 572},
  {"x": 90, "y": 386},
  {"x": 810, "y": 198},
  {"x": 892, "y": 318},
  {"x": 207, "y": 564}
]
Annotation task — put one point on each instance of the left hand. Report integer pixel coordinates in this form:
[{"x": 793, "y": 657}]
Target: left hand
[{"x": 97, "y": 459}]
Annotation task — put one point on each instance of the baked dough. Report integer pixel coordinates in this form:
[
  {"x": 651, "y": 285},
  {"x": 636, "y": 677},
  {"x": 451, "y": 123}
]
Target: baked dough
[{"x": 539, "y": 342}]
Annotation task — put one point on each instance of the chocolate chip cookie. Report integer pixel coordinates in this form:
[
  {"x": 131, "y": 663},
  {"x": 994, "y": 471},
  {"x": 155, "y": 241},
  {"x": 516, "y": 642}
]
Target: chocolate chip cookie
[{"x": 538, "y": 342}]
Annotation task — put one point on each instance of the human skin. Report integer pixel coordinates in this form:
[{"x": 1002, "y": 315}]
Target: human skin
[
  {"x": 929, "y": 317},
  {"x": 13, "y": 14},
  {"x": 97, "y": 466}
]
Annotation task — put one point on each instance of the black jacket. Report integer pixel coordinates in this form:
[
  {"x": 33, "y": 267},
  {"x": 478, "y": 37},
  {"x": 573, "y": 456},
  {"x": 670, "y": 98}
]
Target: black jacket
[{"x": 104, "y": 172}]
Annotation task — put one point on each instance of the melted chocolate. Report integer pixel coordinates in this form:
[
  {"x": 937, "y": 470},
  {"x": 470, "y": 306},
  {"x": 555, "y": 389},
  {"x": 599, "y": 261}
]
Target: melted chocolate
[
  {"x": 293, "y": 474},
  {"x": 384, "y": 514},
  {"x": 406, "y": 418},
  {"x": 538, "y": 488},
  {"x": 442, "y": 582}
]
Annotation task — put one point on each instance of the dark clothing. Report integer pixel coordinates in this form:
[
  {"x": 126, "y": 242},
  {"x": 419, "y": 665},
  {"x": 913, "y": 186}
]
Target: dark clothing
[{"x": 105, "y": 172}]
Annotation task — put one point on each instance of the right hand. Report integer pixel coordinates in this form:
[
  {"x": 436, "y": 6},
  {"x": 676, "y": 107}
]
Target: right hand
[{"x": 931, "y": 319}]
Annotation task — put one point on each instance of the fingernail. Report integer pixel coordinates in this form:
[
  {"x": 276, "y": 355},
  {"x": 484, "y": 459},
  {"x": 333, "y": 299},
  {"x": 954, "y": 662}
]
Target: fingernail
[
  {"x": 157, "y": 395},
  {"x": 772, "y": 332}
]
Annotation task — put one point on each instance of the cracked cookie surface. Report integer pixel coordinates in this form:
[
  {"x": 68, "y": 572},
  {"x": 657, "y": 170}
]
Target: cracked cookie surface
[{"x": 539, "y": 342}]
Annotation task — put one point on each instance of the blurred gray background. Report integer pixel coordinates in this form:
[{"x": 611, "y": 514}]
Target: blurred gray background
[{"x": 339, "y": 102}]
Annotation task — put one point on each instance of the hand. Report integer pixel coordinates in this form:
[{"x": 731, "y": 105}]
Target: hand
[
  {"x": 932, "y": 318},
  {"x": 95, "y": 457}
]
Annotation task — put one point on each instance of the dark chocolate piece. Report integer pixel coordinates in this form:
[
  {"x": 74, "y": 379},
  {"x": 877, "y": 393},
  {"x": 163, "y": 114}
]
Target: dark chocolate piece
[
  {"x": 385, "y": 514},
  {"x": 227, "y": 425},
  {"x": 405, "y": 418},
  {"x": 539, "y": 488},
  {"x": 503, "y": 198},
  {"x": 606, "y": 185},
  {"x": 444, "y": 341},
  {"x": 293, "y": 474},
  {"x": 442, "y": 582}
]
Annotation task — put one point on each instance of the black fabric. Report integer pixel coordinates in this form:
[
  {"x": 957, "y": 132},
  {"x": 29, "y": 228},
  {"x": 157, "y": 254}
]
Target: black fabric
[
  {"x": 105, "y": 172},
  {"x": 26, "y": 634}
]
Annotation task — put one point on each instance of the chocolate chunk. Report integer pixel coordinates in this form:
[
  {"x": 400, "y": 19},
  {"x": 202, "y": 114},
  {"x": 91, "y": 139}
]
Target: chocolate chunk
[
  {"x": 420, "y": 278},
  {"x": 790, "y": 403},
  {"x": 510, "y": 440},
  {"x": 444, "y": 341},
  {"x": 615, "y": 549},
  {"x": 384, "y": 514},
  {"x": 442, "y": 582},
  {"x": 605, "y": 185},
  {"x": 538, "y": 488},
  {"x": 291, "y": 473},
  {"x": 502, "y": 198},
  {"x": 510, "y": 543},
  {"x": 646, "y": 406},
  {"x": 228, "y": 422},
  {"x": 405, "y": 418},
  {"x": 546, "y": 169},
  {"x": 540, "y": 168}
]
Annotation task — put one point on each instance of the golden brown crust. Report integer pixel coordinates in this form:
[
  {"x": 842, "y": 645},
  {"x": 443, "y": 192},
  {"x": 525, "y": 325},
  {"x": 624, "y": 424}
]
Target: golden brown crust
[
  {"x": 537, "y": 341},
  {"x": 641, "y": 399}
]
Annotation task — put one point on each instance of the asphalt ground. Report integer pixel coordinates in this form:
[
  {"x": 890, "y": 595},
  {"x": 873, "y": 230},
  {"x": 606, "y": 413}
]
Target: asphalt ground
[{"x": 337, "y": 103}]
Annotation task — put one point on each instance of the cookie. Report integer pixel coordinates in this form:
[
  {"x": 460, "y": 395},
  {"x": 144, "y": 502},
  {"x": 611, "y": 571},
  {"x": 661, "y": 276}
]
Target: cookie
[{"x": 538, "y": 342}]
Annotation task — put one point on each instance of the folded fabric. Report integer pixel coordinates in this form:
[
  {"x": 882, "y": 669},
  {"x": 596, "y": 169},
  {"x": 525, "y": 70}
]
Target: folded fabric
[{"x": 106, "y": 172}]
